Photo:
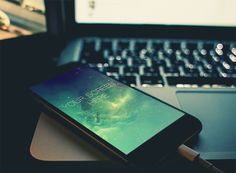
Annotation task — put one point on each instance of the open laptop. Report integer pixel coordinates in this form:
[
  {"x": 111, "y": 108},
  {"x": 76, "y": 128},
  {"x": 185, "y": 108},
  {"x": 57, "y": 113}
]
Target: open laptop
[{"x": 183, "y": 52}]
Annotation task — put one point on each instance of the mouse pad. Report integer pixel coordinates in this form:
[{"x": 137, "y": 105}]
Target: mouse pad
[
  {"x": 217, "y": 112},
  {"x": 54, "y": 142}
]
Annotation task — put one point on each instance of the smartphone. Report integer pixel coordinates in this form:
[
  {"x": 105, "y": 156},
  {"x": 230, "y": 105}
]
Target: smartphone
[{"x": 126, "y": 123}]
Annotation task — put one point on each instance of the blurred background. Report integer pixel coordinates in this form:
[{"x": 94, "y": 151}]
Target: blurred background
[{"x": 21, "y": 17}]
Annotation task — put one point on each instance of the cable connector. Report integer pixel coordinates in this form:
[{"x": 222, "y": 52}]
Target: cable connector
[{"x": 194, "y": 156}]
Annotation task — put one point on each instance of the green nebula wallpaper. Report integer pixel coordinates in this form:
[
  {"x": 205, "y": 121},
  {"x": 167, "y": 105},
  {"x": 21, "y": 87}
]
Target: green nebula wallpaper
[{"x": 122, "y": 116}]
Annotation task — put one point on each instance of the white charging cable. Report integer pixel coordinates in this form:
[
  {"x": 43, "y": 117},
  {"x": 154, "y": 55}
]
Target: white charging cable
[{"x": 194, "y": 156}]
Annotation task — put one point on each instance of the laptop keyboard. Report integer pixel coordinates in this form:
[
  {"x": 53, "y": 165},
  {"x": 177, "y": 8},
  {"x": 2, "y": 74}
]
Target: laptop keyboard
[{"x": 151, "y": 62}]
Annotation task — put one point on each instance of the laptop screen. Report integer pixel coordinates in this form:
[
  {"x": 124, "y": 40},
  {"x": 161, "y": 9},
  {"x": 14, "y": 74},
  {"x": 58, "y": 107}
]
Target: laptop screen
[{"x": 160, "y": 12}]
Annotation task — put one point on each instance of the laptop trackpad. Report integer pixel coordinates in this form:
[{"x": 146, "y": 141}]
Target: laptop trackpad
[{"x": 217, "y": 112}]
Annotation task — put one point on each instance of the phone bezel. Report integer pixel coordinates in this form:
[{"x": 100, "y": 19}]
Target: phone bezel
[{"x": 155, "y": 147}]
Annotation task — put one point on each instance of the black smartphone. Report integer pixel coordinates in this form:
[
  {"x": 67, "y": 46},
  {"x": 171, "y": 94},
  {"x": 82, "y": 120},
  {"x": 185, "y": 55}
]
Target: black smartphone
[{"x": 128, "y": 124}]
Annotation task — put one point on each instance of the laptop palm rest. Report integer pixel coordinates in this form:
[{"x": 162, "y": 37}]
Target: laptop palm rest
[{"x": 217, "y": 112}]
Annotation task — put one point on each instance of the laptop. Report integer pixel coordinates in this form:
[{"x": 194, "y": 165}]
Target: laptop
[{"x": 182, "y": 52}]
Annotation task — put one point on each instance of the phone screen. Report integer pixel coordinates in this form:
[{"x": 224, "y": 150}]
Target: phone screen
[{"x": 119, "y": 114}]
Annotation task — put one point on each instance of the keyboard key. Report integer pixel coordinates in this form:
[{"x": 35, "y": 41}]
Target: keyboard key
[
  {"x": 173, "y": 58},
  {"x": 112, "y": 69},
  {"x": 106, "y": 45},
  {"x": 232, "y": 58},
  {"x": 172, "y": 69},
  {"x": 233, "y": 50},
  {"x": 201, "y": 81},
  {"x": 192, "y": 46},
  {"x": 89, "y": 45},
  {"x": 190, "y": 68},
  {"x": 175, "y": 46},
  {"x": 138, "y": 61},
  {"x": 208, "y": 46},
  {"x": 151, "y": 70},
  {"x": 227, "y": 68},
  {"x": 131, "y": 70},
  {"x": 128, "y": 80},
  {"x": 151, "y": 80},
  {"x": 119, "y": 61},
  {"x": 180, "y": 62},
  {"x": 140, "y": 45},
  {"x": 158, "y": 46},
  {"x": 225, "y": 48},
  {"x": 123, "y": 45},
  {"x": 210, "y": 70},
  {"x": 157, "y": 63}
]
